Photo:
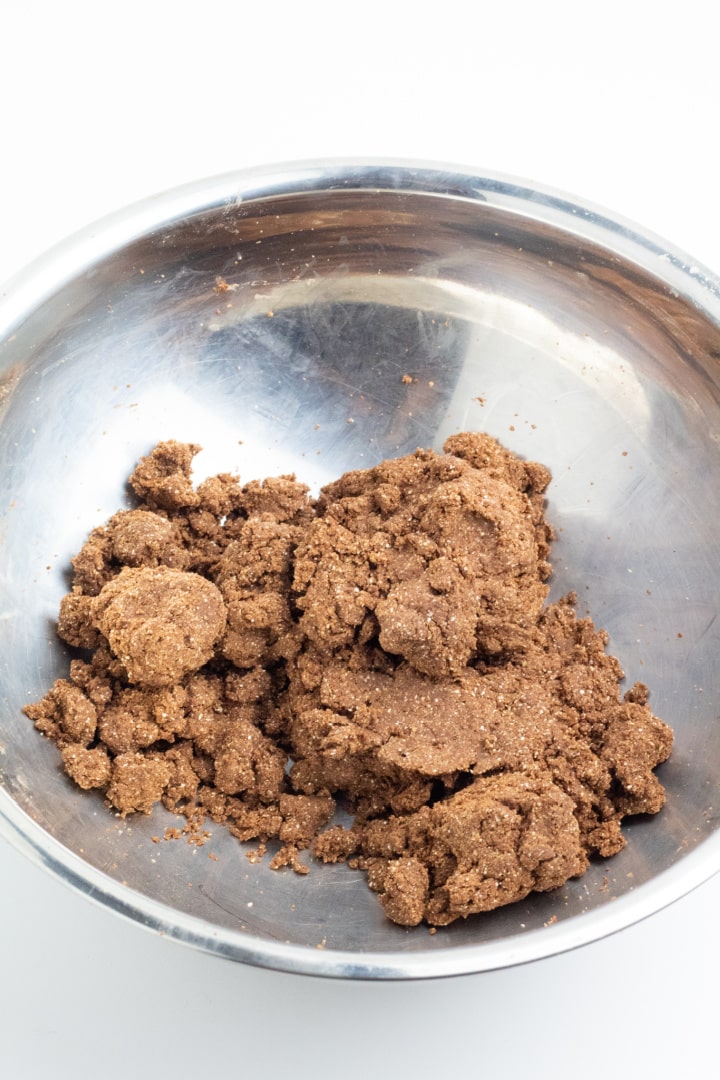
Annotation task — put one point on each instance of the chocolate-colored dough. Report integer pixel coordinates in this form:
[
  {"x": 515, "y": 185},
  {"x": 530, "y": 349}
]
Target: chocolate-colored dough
[
  {"x": 253, "y": 656},
  {"x": 447, "y": 552},
  {"x": 161, "y": 624}
]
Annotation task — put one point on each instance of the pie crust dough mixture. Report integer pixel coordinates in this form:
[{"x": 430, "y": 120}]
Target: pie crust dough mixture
[{"x": 257, "y": 657}]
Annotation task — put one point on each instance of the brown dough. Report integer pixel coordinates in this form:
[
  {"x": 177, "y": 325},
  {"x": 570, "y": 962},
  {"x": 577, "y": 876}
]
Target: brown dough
[
  {"x": 448, "y": 554},
  {"x": 252, "y": 656},
  {"x": 161, "y": 624}
]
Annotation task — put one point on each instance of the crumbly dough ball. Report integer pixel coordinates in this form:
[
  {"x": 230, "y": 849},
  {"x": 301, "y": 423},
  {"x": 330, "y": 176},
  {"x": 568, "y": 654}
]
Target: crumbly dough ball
[
  {"x": 253, "y": 575},
  {"x": 161, "y": 624},
  {"x": 141, "y": 538},
  {"x": 280, "y": 498},
  {"x": 303, "y": 817},
  {"x": 489, "y": 845},
  {"x": 88, "y": 768},
  {"x": 92, "y": 566},
  {"x": 247, "y": 761},
  {"x": 163, "y": 478},
  {"x": 448, "y": 554},
  {"x": 137, "y": 782},
  {"x": 75, "y": 620},
  {"x": 66, "y": 714},
  {"x": 403, "y": 885},
  {"x": 184, "y": 783},
  {"x": 127, "y": 723}
]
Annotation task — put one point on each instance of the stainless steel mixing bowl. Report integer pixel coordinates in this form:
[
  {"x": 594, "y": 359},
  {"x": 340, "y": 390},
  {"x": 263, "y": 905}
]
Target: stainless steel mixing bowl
[{"x": 575, "y": 338}]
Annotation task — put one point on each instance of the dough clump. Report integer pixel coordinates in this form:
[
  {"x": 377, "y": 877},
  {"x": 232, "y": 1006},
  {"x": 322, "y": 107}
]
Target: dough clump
[{"x": 252, "y": 656}]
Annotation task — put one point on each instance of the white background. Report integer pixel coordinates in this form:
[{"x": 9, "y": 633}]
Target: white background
[{"x": 104, "y": 104}]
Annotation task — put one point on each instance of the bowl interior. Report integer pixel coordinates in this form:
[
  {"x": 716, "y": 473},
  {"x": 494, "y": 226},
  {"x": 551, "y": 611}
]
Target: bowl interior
[{"x": 275, "y": 331}]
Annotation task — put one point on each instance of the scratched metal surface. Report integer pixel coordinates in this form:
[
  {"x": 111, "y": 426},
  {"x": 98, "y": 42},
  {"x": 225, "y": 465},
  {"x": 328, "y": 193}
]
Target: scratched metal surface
[{"x": 576, "y": 339}]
